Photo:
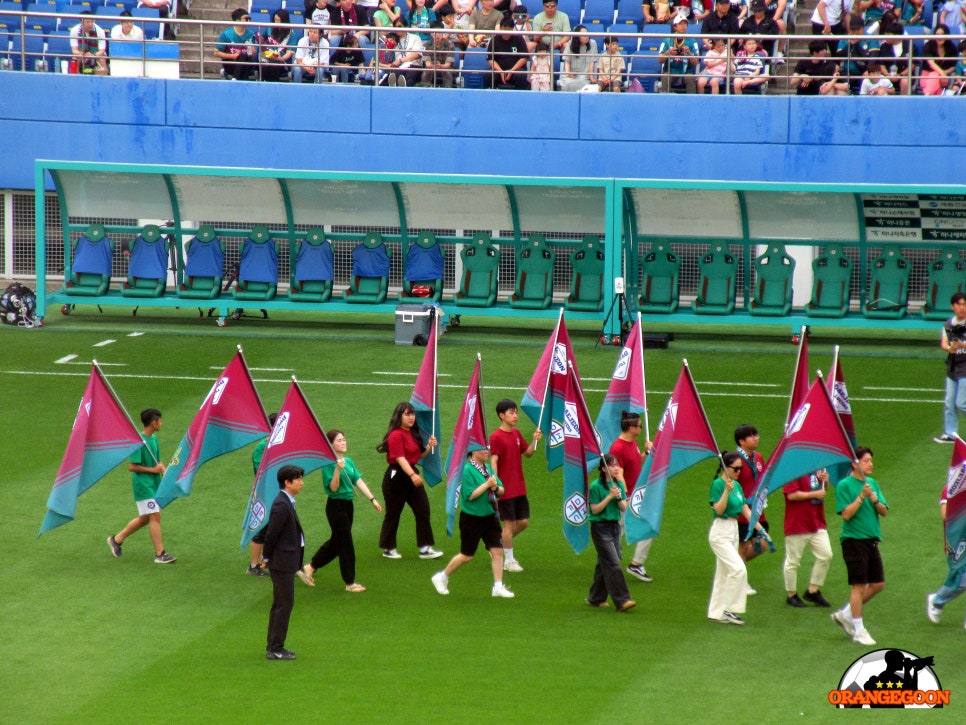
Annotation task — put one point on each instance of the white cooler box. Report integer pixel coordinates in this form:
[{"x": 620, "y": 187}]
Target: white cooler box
[{"x": 413, "y": 323}]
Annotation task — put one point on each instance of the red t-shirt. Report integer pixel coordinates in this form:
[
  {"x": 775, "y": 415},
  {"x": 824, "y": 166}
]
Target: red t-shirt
[
  {"x": 509, "y": 447},
  {"x": 402, "y": 444},
  {"x": 748, "y": 480},
  {"x": 629, "y": 456},
  {"x": 807, "y": 516}
]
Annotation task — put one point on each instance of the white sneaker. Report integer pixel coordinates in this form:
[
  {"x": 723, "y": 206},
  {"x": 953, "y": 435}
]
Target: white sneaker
[
  {"x": 749, "y": 591},
  {"x": 501, "y": 591},
  {"x": 430, "y": 553},
  {"x": 391, "y": 554},
  {"x": 512, "y": 565},
  {"x": 933, "y": 612},
  {"x": 844, "y": 620},
  {"x": 441, "y": 581},
  {"x": 863, "y": 637}
]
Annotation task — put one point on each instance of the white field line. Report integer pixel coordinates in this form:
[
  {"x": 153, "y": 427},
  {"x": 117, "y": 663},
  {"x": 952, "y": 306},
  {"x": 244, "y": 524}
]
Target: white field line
[{"x": 104, "y": 343}]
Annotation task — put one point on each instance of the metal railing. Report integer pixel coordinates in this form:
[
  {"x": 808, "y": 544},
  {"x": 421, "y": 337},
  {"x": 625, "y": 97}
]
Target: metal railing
[{"x": 30, "y": 51}]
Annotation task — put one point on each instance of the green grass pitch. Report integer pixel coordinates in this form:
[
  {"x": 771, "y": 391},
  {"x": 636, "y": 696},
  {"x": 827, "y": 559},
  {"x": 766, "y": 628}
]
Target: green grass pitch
[{"x": 90, "y": 639}]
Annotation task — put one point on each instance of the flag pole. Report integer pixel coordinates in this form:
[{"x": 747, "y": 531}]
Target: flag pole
[
  {"x": 835, "y": 366},
  {"x": 435, "y": 376},
  {"x": 640, "y": 332},
  {"x": 798, "y": 361},
  {"x": 543, "y": 404},
  {"x": 837, "y": 419},
  {"x": 701, "y": 406},
  {"x": 482, "y": 406},
  {"x": 117, "y": 400}
]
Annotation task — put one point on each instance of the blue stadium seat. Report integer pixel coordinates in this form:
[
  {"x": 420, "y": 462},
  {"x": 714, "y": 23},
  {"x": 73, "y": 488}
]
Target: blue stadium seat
[
  {"x": 151, "y": 23},
  {"x": 10, "y": 23},
  {"x": 475, "y": 71},
  {"x": 164, "y": 51},
  {"x": 570, "y": 7},
  {"x": 269, "y": 6},
  {"x": 628, "y": 43},
  {"x": 646, "y": 68},
  {"x": 107, "y": 17},
  {"x": 58, "y": 48},
  {"x": 25, "y": 56},
  {"x": 41, "y": 23},
  {"x": 629, "y": 11},
  {"x": 598, "y": 12}
]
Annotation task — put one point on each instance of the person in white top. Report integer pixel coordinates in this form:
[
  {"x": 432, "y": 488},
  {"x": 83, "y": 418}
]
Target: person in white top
[
  {"x": 311, "y": 56},
  {"x": 831, "y": 17},
  {"x": 126, "y": 29},
  {"x": 88, "y": 46}
]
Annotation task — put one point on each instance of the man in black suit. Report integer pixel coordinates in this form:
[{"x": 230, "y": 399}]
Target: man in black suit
[{"x": 284, "y": 549}]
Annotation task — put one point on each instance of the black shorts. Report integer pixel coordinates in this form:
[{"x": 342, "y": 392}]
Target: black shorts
[
  {"x": 743, "y": 528},
  {"x": 514, "y": 509},
  {"x": 474, "y": 529},
  {"x": 863, "y": 561}
]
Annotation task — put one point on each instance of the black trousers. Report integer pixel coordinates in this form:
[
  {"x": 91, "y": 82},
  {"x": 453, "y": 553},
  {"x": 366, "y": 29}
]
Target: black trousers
[
  {"x": 397, "y": 491},
  {"x": 283, "y": 599},
  {"x": 339, "y": 513}
]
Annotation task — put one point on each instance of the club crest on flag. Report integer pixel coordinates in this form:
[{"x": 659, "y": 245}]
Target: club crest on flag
[
  {"x": 575, "y": 509},
  {"x": 798, "y": 420},
  {"x": 635, "y": 501},
  {"x": 556, "y": 434},
  {"x": 623, "y": 365},
  {"x": 176, "y": 457},
  {"x": 258, "y": 516},
  {"x": 278, "y": 432},
  {"x": 670, "y": 413},
  {"x": 470, "y": 412},
  {"x": 558, "y": 364}
]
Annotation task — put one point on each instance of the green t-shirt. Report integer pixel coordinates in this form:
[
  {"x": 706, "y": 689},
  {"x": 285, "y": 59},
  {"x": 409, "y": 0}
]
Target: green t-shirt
[
  {"x": 736, "y": 499},
  {"x": 865, "y": 523},
  {"x": 598, "y": 492},
  {"x": 347, "y": 480},
  {"x": 472, "y": 478},
  {"x": 145, "y": 485},
  {"x": 258, "y": 453}
]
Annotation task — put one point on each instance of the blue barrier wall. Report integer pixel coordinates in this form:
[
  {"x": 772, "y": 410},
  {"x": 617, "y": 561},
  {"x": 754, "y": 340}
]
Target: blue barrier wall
[{"x": 351, "y": 128}]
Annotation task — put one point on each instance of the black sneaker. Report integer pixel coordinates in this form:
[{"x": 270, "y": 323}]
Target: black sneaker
[
  {"x": 115, "y": 547},
  {"x": 816, "y": 598},
  {"x": 254, "y": 570},
  {"x": 795, "y": 601},
  {"x": 280, "y": 654}
]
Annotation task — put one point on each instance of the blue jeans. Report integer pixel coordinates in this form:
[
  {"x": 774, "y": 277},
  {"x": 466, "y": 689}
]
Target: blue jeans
[
  {"x": 297, "y": 75},
  {"x": 608, "y": 577},
  {"x": 955, "y": 404},
  {"x": 945, "y": 595}
]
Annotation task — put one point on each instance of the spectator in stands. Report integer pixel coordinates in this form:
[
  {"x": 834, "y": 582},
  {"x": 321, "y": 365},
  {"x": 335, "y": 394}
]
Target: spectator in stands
[
  {"x": 775, "y": 9},
  {"x": 875, "y": 84},
  {"x": 483, "y": 18},
  {"x": 739, "y": 8},
  {"x": 311, "y": 56},
  {"x": 379, "y": 76},
  {"x": 422, "y": 17},
  {"x": 611, "y": 66},
  {"x": 720, "y": 22},
  {"x": 679, "y": 58},
  {"x": 277, "y": 48},
  {"x": 522, "y": 24},
  {"x": 439, "y": 57},
  {"x": 717, "y": 67},
  {"x": 318, "y": 13},
  {"x": 953, "y": 16},
  {"x": 750, "y": 68},
  {"x": 88, "y": 45},
  {"x": 236, "y": 47},
  {"x": 541, "y": 69},
  {"x": 386, "y": 15},
  {"x": 817, "y": 75},
  {"x": 162, "y": 6},
  {"x": 552, "y": 20},
  {"x": 761, "y": 23},
  {"x": 700, "y": 9},
  {"x": 126, "y": 29},
  {"x": 407, "y": 64},
  {"x": 854, "y": 51},
  {"x": 347, "y": 59},
  {"x": 958, "y": 75},
  {"x": 912, "y": 13},
  {"x": 938, "y": 63},
  {"x": 345, "y": 12},
  {"x": 829, "y": 19},
  {"x": 647, "y": 9},
  {"x": 660, "y": 10},
  {"x": 366, "y": 9},
  {"x": 508, "y": 56},
  {"x": 578, "y": 61},
  {"x": 894, "y": 55},
  {"x": 505, "y": 7},
  {"x": 464, "y": 13},
  {"x": 871, "y": 12}
]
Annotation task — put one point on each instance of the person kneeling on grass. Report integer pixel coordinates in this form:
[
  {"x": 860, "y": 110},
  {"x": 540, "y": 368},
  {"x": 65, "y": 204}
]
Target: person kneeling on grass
[{"x": 479, "y": 490}]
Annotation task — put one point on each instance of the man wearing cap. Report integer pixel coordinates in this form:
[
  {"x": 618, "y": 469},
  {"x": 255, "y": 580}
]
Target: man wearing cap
[
  {"x": 679, "y": 58},
  {"x": 554, "y": 21},
  {"x": 720, "y": 22},
  {"x": 479, "y": 490},
  {"x": 760, "y": 23}
]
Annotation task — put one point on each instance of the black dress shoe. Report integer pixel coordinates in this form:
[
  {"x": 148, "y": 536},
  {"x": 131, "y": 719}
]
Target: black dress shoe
[
  {"x": 817, "y": 599},
  {"x": 281, "y": 654},
  {"x": 795, "y": 601}
]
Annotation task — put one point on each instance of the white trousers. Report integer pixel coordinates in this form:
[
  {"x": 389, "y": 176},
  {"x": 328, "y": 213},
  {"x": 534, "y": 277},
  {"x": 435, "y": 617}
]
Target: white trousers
[
  {"x": 794, "y": 548},
  {"x": 729, "y": 591}
]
